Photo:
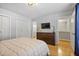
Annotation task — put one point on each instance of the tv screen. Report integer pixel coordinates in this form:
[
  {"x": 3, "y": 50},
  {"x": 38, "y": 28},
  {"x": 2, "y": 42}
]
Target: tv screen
[{"x": 45, "y": 25}]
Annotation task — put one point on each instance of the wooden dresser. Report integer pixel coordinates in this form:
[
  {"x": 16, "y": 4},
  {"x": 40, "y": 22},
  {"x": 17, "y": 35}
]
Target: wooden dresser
[{"x": 49, "y": 38}]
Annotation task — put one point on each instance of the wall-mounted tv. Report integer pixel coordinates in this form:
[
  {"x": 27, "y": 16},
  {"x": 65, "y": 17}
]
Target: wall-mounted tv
[{"x": 45, "y": 25}]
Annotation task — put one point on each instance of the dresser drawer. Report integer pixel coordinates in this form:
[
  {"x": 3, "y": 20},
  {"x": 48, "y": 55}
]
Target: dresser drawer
[{"x": 49, "y": 38}]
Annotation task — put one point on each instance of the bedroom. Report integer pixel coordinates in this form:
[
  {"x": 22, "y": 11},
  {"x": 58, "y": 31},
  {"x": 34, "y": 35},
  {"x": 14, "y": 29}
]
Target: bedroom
[{"x": 23, "y": 24}]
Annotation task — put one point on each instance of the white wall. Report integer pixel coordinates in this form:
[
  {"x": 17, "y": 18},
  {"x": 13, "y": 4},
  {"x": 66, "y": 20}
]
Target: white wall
[
  {"x": 53, "y": 24},
  {"x": 64, "y": 24},
  {"x": 45, "y": 20},
  {"x": 64, "y": 28},
  {"x": 73, "y": 31},
  {"x": 53, "y": 19},
  {"x": 20, "y": 26}
]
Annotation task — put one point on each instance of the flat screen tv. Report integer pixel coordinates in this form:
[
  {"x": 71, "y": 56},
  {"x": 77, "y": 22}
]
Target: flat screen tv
[{"x": 45, "y": 25}]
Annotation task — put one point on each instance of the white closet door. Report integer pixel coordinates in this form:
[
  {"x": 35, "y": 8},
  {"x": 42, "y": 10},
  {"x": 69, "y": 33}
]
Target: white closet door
[
  {"x": 5, "y": 27},
  {"x": 0, "y": 27}
]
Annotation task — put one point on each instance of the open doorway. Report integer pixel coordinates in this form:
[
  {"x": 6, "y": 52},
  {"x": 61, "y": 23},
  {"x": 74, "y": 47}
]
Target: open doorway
[{"x": 65, "y": 30}]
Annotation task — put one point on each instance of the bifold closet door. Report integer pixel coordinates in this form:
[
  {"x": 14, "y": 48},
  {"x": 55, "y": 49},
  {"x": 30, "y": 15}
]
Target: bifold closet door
[
  {"x": 4, "y": 27},
  {"x": 0, "y": 27}
]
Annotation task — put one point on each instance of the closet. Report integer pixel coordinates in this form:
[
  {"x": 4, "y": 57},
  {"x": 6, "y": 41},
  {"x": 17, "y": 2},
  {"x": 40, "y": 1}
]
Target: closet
[
  {"x": 5, "y": 27},
  {"x": 13, "y": 27}
]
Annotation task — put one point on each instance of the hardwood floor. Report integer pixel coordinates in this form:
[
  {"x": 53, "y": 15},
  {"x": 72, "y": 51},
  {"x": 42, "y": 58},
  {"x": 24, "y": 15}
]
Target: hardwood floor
[
  {"x": 62, "y": 49},
  {"x": 53, "y": 50}
]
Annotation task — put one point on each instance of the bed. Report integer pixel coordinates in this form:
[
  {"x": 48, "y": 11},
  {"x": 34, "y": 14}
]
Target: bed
[{"x": 23, "y": 47}]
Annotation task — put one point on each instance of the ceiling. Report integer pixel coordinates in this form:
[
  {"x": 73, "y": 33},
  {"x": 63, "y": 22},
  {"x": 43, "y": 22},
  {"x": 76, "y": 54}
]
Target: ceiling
[{"x": 38, "y": 10}]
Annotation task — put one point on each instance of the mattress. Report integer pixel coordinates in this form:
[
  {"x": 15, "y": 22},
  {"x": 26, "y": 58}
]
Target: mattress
[{"x": 23, "y": 47}]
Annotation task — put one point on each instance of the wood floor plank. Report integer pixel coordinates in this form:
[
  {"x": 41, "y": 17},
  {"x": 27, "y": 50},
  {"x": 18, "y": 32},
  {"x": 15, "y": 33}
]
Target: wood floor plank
[{"x": 62, "y": 49}]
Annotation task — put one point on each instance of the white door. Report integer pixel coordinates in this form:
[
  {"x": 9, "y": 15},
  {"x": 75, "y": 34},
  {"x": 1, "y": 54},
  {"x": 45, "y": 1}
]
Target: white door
[
  {"x": 63, "y": 27},
  {"x": 4, "y": 27},
  {"x": 34, "y": 29},
  {"x": 0, "y": 27}
]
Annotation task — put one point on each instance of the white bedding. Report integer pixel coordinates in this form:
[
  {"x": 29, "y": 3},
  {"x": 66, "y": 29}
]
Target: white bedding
[{"x": 23, "y": 47}]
